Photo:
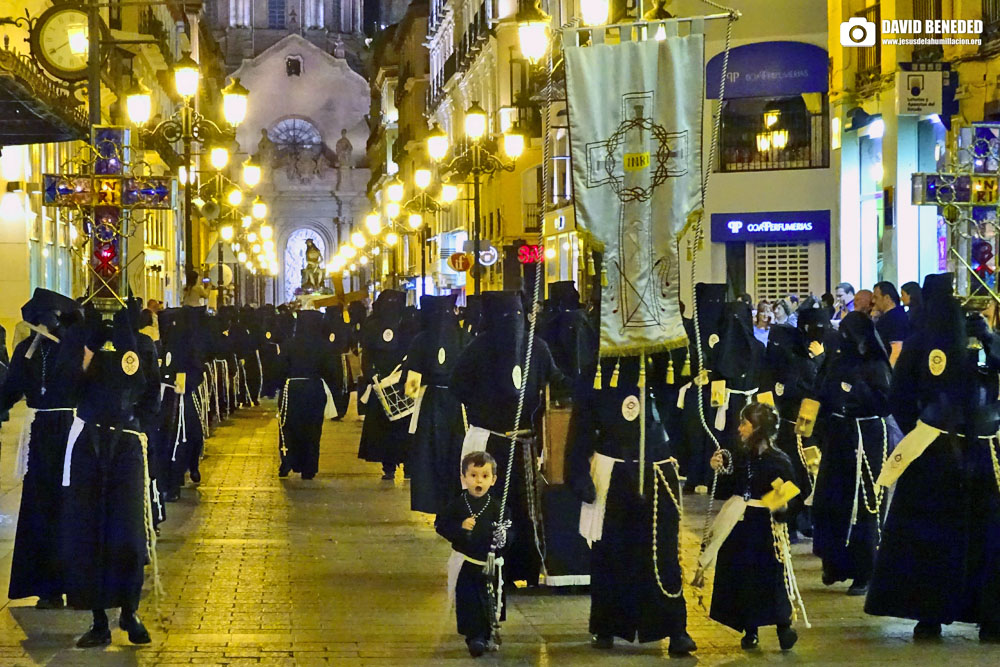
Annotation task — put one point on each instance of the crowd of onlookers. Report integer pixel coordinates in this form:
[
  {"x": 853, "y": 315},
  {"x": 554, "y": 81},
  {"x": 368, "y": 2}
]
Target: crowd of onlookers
[{"x": 894, "y": 311}]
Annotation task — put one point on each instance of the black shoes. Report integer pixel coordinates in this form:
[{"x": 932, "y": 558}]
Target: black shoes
[
  {"x": 99, "y": 633},
  {"x": 196, "y": 476},
  {"x": 925, "y": 630},
  {"x": 476, "y": 647},
  {"x": 682, "y": 645},
  {"x": 858, "y": 588},
  {"x": 137, "y": 632},
  {"x": 603, "y": 642},
  {"x": 54, "y": 602},
  {"x": 787, "y": 636},
  {"x": 283, "y": 470},
  {"x": 309, "y": 475},
  {"x": 172, "y": 496},
  {"x": 750, "y": 640}
]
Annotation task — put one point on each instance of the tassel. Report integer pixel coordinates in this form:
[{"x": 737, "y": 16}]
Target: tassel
[
  {"x": 591, "y": 270},
  {"x": 604, "y": 277},
  {"x": 614, "y": 374},
  {"x": 670, "y": 370},
  {"x": 597, "y": 378},
  {"x": 686, "y": 368}
]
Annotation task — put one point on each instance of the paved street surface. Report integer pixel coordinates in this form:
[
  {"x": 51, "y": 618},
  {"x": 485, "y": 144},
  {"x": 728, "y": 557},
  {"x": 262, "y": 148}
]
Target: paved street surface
[{"x": 338, "y": 571}]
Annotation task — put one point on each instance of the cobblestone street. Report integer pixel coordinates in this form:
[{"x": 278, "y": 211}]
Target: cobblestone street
[{"x": 259, "y": 570}]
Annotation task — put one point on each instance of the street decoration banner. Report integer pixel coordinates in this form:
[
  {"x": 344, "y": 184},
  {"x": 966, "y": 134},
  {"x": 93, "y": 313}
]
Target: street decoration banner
[{"x": 635, "y": 117}]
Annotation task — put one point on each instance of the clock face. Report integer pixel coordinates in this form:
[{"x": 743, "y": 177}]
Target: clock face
[{"x": 60, "y": 42}]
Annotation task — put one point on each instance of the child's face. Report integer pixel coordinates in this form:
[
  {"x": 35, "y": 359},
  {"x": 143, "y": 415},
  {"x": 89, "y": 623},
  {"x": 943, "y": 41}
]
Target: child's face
[
  {"x": 746, "y": 430},
  {"x": 479, "y": 479}
]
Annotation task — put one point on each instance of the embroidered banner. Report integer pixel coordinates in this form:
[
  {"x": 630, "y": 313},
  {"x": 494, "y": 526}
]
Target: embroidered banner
[{"x": 635, "y": 114}]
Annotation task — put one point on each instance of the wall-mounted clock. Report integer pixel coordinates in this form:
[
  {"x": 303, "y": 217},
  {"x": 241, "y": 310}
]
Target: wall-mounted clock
[{"x": 59, "y": 41}]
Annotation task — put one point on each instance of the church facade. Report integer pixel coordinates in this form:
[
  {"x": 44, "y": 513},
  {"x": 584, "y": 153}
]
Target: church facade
[{"x": 303, "y": 62}]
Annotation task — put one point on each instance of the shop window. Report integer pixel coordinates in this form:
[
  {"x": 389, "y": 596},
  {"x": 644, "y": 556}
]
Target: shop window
[{"x": 760, "y": 134}]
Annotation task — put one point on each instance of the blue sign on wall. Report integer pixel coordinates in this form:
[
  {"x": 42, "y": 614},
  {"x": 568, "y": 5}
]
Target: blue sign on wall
[
  {"x": 771, "y": 226},
  {"x": 769, "y": 69}
]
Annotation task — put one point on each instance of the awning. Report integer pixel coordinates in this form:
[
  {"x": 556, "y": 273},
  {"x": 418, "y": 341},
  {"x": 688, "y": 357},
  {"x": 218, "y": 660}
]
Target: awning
[
  {"x": 33, "y": 109},
  {"x": 769, "y": 69}
]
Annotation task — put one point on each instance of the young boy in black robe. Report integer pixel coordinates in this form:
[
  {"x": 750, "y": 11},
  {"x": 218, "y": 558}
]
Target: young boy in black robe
[{"x": 468, "y": 522}]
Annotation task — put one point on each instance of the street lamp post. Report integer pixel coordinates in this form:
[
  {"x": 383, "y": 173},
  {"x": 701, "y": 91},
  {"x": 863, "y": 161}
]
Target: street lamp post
[
  {"x": 187, "y": 125},
  {"x": 478, "y": 161},
  {"x": 420, "y": 205}
]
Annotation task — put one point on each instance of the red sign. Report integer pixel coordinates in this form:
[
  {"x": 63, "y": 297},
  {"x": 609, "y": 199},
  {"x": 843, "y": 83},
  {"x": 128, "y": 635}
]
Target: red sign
[
  {"x": 531, "y": 254},
  {"x": 460, "y": 262}
]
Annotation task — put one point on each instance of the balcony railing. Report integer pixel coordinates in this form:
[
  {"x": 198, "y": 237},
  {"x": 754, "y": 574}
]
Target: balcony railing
[
  {"x": 532, "y": 218},
  {"x": 800, "y": 141},
  {"x": 870, "y": 57},
  {"x": 150, "y": 25},
  {"x": 927, "y": 10}
]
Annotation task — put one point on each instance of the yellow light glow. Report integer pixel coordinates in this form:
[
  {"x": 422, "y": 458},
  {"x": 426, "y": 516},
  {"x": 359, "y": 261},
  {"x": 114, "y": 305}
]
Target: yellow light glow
[
  {"x": 550, "y": 253},
  {"x": 139, "y": 104},
  {"x": 266, "y": 232},
  {"x": 259, "y": 208},
  {"x": 235, "y": 197},
  {"x": 594, "y": 12},
  {"x": 513, "y": 144},
  {"x": 227, "y": 233},
  {"x": 376, "y": 251},
  {"x": 771, "y": 118},
  {"x": 234, "y": 102},
  {"x": 218, "y": 157},
  {"x": 242, "y": 257},
  {"x": 422, "y": 178},
  {"x": 416, "y": 220},
  {"x": 449, "y": 193},
  {"x": 252, "y": 237},
  {"x": 79, "y": 44},
  {"x": 186, "y": 76},
  {"x": 373, "y": 224},
  {"x": 534, "y": 39},
  {"x": 437, "y": 143},
  {"x": 475, "y": 122},
  {"x": 349, "y": 251},
  {"x": 354, "y": 267},
  {"x": 246, "y": 221},
  {"x": 256, "y": 248},
  {"x": 269, "y": 246},
  {"x": 358, "y": 240},
  {"x": 182, "y": 175},
  {"x": 391, "y": 239},
  {"x": 363, "y": 260},
  {"x": 251, "y": 173},
  {"x": 392, "y": 210},
  {"x": 395, "y": 191},
  {"x": 779, "y": 138},
  {"x": 763, "y": 142}
]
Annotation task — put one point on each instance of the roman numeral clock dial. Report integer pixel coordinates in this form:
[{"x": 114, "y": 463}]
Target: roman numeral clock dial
[{"x": 61, "y": 43}]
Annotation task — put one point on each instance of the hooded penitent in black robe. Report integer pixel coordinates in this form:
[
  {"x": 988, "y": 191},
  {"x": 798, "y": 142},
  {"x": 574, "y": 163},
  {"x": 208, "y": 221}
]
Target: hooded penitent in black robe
[
  {"x": 181, "y": 438},
  {"x": 338, "y": 333},
  {"x": 226, "y": 346},
  {"x": 147, "y": 409},
  {"x": 749, "y": 590},
  {"x": 357, "y": 314},
  {"x": 939, "y": 560},
  {"x": 854, "y": 399},
  {"x": 104, "y": 513},
  {"x": 792, "y": 375},
  {"x": 247, "y": 336},
  {"x": 487, "y": 378},
  {"x": 269, "y": 345},
  {"x": 302, "y": 400},
  {"x": 567, "y": 331},
  {"x": 436, "y": 446},
  {"x": 625, "y": 599},
  {"x": 383, "y": 346},
  {"x": 35, "y": 565}
]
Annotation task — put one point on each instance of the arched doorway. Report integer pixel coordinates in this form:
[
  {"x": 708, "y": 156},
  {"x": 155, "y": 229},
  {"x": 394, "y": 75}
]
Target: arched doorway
[{"x": 295, "y": 257}]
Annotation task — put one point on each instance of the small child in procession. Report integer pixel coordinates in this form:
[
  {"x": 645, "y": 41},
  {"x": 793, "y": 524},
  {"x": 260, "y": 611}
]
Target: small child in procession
[
  {"x": 750, "y": 581},
  {"x": 468, "y": 523}
]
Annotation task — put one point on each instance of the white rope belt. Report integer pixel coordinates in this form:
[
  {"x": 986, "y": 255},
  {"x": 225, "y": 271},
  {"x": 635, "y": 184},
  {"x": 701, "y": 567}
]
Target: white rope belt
[{"x": 23, "y": 441}]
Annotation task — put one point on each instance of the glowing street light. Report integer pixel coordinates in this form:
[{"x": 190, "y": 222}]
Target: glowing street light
[
  {"x": 235, "y": 197},
  {"x": 373, "y": 224},
  {"x": 234, "y": 102},
  {"x": 422, "y": 178},
  {"x": 219, "y": 158},
  {"x": 475, "y": 122},
  {"x": 186, "y": 75},
  {"x": 259, "y": 208},
  {"x": 251, "y": 173}
]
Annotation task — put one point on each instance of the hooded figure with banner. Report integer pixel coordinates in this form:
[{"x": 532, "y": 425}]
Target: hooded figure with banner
[
  {"x": 107, "y": 516},
  {"x": 939, "y": 558},
  {"x": 437, "y": 423},
  {"x": 488, "y": 379},
  {"x": 858, "y": 436},
  {"x": 383, "y": 349},
  {"x": 305, "y": 399},
  {"x": 181, "y": 437},
  {"x": 338, "y": 333},
  {"x": 36, "y": 376},
  {"x": 636, "y": 584},
  {"x": 794, "y": 360}
]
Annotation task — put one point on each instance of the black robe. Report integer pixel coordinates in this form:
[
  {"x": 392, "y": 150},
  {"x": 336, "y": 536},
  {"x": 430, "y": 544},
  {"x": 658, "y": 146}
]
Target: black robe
[
  {"x": 749, "y": 589},
  {"x": 104, "y": 520},
  {"x": 36, "y": 568},
  {"x": 939, "y": 560},
  {"x": 436, "y": 447},
  {"x": 853, "y": 394},
  {"x": 383, "y": 346},
  {"x": 339, "y": 341},
  {"x": 302, "y": 399},
  {"x": 180, "y": 441},
  {"x": 473, "y": 606},
  {"x": 625, "y": 599}
]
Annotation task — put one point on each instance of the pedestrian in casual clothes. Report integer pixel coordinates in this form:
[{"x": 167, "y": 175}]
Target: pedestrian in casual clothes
[{"x": 893, "y": 325}]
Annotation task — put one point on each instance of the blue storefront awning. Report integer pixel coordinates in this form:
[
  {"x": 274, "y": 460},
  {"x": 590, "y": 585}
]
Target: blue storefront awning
[{"x": 769, "y": 69}]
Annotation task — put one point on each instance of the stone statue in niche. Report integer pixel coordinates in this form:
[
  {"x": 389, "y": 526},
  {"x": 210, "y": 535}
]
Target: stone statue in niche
[
  {"x": 312, "y": 274},
  {"x": 266, "y": 150},
  {"x": 345, "y": 152}
]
